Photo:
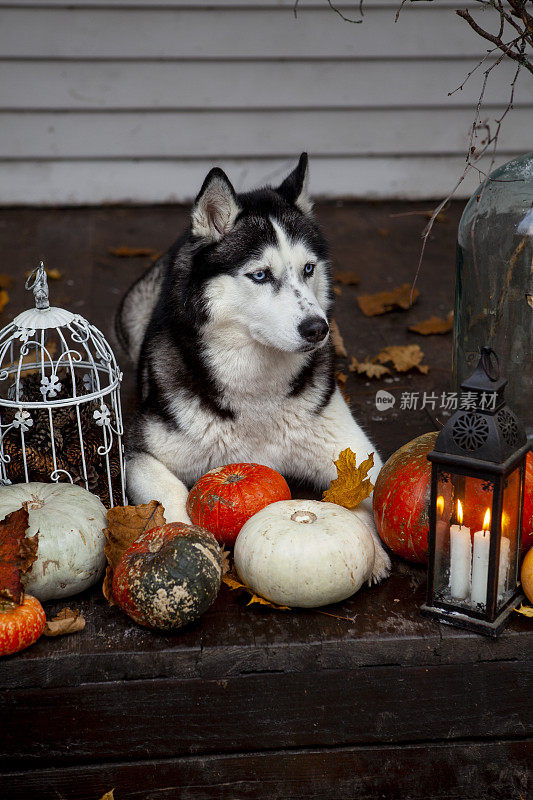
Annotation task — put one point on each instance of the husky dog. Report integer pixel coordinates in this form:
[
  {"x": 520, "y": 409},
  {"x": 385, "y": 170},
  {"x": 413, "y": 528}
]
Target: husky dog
[{"x": 230, "y": 333}]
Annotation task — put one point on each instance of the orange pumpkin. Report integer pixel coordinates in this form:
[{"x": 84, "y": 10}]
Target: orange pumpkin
[
  {"x": 225, "y": 498},
  {"x": 21, "y": 625}
]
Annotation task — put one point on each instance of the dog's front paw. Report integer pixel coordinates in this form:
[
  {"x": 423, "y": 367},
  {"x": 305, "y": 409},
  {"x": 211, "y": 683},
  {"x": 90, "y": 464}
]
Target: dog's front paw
[
  {"x": 177, "y": 512},
  {"x": 382, "y": 565}
]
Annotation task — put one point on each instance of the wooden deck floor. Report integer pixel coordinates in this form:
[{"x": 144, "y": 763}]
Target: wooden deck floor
[{"x": 375, "y": 702}]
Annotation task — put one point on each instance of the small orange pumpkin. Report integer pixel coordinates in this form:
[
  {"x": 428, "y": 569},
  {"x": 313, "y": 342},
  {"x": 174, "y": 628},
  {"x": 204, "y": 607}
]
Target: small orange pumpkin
[
  {"x": 225, "y": 498},
  {"x": 21, "y": 625}
]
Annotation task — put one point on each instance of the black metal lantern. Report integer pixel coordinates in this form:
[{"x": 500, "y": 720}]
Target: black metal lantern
[{"x": 475, "y": 513}]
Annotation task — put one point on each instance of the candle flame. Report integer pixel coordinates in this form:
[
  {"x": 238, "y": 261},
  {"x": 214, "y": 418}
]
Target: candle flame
[
  {"x": 486, "y": 520},
  {"x": 440, "y": 505},
  {"x": 459, "y": 512}
]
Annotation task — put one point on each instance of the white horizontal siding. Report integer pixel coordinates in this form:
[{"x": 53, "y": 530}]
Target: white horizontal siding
[
  {"x": 130, "y": 100},
  {"x": 238, "y": 33},
  {"x": 94, "y": 182},
  {"x": 303, "y": 84},
  {"x": 247, "y": 134}
]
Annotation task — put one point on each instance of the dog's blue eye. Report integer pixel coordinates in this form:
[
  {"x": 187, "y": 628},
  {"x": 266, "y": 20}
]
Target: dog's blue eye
[
  {"x": 260, "y": 276},
  {"x": 309, "y": 269}
]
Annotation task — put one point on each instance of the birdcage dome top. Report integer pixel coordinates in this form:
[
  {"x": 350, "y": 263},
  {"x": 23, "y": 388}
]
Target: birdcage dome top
[
  {"x": 43, "y": 318},
  {"x": 63, "y": 354}
]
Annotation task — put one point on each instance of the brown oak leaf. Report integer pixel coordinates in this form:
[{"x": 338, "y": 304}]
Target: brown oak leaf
[
  {"x": 347, "y": 278},
  {"x": 341, "y": 378},
  {"x": 232, "y": 580},
  {"x": 368, "y": 368},
  {"x": 110, "y": 795},
  {"x": 132, "y": 252},
  {"x": 352, "y": 484},
  {"x": 17, "y": 554},
  {"x": 125, "y": 525},
  {"x": 404, "y": 358},
  {"x": 399, "y": 298},
  {"x": 433, "y": 325},
  {"x": 65, "y": 621},
  {"x": 336, "y": 340},
  {"x": 4, "y": 299}
]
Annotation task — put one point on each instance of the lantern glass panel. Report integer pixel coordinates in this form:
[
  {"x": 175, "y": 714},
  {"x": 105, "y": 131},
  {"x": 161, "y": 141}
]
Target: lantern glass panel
[
  {"x": 463, "y": 506},
  {"x": 509, "y": 542}
]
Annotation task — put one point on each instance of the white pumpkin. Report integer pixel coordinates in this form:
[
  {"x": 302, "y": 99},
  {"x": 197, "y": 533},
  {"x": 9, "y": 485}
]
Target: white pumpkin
[
  {"x": 304, "y": 553},
  {"x": 70, "y": 522}
]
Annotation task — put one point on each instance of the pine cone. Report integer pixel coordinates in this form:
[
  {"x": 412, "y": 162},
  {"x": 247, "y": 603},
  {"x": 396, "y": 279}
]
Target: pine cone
[
  {"x": 40, "y": 436},
  {"x": 92, "y": 477}
]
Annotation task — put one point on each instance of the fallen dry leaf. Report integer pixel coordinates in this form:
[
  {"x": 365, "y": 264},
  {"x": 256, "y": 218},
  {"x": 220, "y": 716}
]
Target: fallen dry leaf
[
  {"x": 17, "y": 554},
  {"x": 54, "y": 274},
  {"x": 132, "y": 252},
  {"x": 348, "y": 278},
  {"x": 125, "y": 525},
  {"x": 225, "y": 561},
  {"x": 336, "y": 340},
  {"x": 6, "y": 281},
  {"x": 527, "y": 611},
  {"x": 66, "y": 621},
  {"x": 341, "y": 378},
  {"x": 108, "y": 795},
  {"x": 404, "y": 358},
  {"x": 4, "y": 299},
  {"x": 433, "y": 325},
  {"x": 368, "y": 368},
  {"x": 232, "y": 580},
  {"x": 352, "y": 484},
  {"x": 337, "y": 290},
  {"x": 374, "y": 304}
]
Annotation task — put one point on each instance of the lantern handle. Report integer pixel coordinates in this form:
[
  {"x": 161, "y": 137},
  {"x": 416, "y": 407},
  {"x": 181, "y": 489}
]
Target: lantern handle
[
  {"x": 39, "y": 286},
  {"x": 490, "y": 363}
]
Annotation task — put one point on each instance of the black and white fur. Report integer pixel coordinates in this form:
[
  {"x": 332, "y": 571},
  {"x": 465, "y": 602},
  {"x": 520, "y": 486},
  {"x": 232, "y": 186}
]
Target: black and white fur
[{"x": 230, "y": 333}]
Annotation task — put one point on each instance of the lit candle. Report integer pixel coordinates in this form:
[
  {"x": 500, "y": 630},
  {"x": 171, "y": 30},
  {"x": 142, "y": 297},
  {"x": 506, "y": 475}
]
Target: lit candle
[
  {"x": 505, "y": 551},
  {"x": 480, "y": 563},
  {"x": 460, "y": 556}
]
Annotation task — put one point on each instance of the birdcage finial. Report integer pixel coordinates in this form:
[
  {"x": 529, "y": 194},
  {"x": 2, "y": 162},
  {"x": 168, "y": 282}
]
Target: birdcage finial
[{"x": 39, "y": 286}]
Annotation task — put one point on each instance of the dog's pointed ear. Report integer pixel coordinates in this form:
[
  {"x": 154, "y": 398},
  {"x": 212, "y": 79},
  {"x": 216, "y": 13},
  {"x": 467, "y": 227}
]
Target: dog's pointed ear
[
  {"x": 216, "y": 207},
  {"x": 294, "y": 187}
]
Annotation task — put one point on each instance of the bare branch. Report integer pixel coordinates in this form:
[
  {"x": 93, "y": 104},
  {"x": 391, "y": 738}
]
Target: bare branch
[
  {"x": 490, "y": 37},
  {"x": 336, "y": 10}
]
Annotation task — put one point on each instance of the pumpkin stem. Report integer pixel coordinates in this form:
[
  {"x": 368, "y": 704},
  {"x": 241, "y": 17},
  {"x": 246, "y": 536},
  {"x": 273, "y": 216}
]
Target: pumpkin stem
[
  {"x": 303, "y": 516},
  {"x": 234, "y": 478}
]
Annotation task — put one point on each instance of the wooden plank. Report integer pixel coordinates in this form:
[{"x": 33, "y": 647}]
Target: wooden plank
[
  {"x": 167, "y": 718},
  {"x": 423, "y": 29},
  {"x": 254, "y": 134},
  {"x": 81, "y": 182},
  {"x": 440, "y": 771},
  {"x": 112, "y": 85}
]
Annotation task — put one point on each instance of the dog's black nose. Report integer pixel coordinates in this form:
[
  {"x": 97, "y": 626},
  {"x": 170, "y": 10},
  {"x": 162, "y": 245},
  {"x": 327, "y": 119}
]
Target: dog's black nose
[{"x": 313, "y": 329}]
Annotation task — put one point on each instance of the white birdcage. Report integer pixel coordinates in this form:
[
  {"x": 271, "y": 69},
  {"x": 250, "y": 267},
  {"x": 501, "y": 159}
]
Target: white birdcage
[{"x": 60, "y": 414}]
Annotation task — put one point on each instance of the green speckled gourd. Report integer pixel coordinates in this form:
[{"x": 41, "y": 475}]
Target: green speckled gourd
[{"x": 169, "y": 576}]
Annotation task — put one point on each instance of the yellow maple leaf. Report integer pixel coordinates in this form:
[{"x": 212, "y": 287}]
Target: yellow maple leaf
[
  {"x": 232, "y": 580},
  {"x": 527, "y": 611},
  {"x": 352, "y": 484}
]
